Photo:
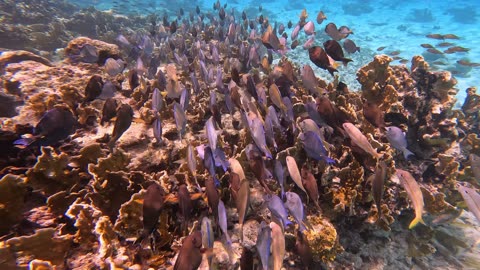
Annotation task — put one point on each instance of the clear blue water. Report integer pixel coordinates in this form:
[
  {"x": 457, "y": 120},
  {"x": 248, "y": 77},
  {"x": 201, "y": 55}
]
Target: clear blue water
[{"x": 399, "y": 26}]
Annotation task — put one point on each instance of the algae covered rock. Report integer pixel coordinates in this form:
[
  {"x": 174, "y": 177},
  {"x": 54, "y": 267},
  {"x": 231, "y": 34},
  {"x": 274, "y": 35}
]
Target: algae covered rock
[
  {"x": 12, "y": 199},
  {"x": 323, "y": 239}
]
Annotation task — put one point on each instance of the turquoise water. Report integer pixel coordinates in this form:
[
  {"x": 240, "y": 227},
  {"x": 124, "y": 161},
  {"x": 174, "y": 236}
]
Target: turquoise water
[{"x": 399, "y": 26}]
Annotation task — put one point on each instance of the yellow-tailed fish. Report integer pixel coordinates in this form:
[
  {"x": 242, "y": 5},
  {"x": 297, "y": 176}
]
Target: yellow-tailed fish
[
  {"x": 415, "y": 195},
  {"x": 359, "y": 139},
  {"x": 278, "y": 245}
]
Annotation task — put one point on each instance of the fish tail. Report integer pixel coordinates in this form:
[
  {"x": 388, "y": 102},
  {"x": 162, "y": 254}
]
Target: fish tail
[
  {"x": 358, "y": 48},
  {"x": 345, "y": 61},
  {"x": 415, "y": 221},
  {"x": 329, "y": 161},
  {"x": 407, "y": 153},
  {"x": 331, "y": 70}
]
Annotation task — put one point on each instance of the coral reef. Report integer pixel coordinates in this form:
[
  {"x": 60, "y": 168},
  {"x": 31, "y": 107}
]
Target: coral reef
[{"x": 85, "y": 198}]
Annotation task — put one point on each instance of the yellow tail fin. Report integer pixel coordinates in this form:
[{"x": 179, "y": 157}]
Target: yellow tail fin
[{"x": 415, "y": 221}]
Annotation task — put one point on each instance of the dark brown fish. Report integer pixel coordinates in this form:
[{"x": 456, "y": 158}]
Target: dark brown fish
[
  {"x": 379, "y": 49},
  {"x": 185, "y": 204},
  {"x": 450, "y": 36},
  {"x": 190, "y": 255},
  {"x": 426, "y": 46},
  {"x": 467, "y": 63},
  {"x": 294, "y": 44},
  {"x": 394, "y": 53},
  {"x": 333, "y": 48},
  {"x": 320, "y": 58},
  {"x": 123, "y": 122},
  {"x": 445, "y": 44},
  {"x": 93, "y": 88},
  {"x": 152, "y": 205},
  {"x": 456, "y": 49},
  {"x": 373, "y": 114},
  {"x": 434, "y": 51},
  {"x": 333, "y": 116},
  {"x": 257, "y": 166},
  {"x": 212, "y": 195},
  {"x": 133, "y": 79},
  {"x": 435, "y": 36},
  {"x": 289, "y": 24},
  {"x": 404, "y": 61},
  {"x": 377, "y": 185},
  {"x": 310, "y": 184},
  {"x": 173, "y": 27},
  {"x": 350, "y": 46},
  {"x": 109, "y": 110},
  {"x": 304, "y": 251}
]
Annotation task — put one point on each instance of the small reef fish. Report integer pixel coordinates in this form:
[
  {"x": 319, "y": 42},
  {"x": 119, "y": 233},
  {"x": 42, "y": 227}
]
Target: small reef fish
[
  {"x": 185, "y": 203},
  {"x": 152, "y": 205},
  {"x": 123, "y": 122},
  {"x": 192, "y": 162},
  {"x": 295, "y": 207},
  {"x": 109, "y": 110},
  {"x": 243, "y": 200},
  {"x": 334, "y": 50},
  {"x": 475, "y": 165},
  {"x": 279, "y": 174},
  {"x": 157, "y": 129},
  {"x": 309, "y": 28},
  {"x": 277, "y": 208},
  {"x": 472, "y": 199},
  {"x": 257, "y": 131},
  {"x": 94, "y": 88},
  {"x": 55, "y": 125},
  {"x": 212, "y": 133},
  {"x": 264, "y": 241},
  {"x": 359, "y": 139},
  {"x": 294, "y": 172},
  {"x": 415, "y": 195},
  {"x": 350, "y": 46},
  {"x": 222, "y": 221},
  {"x": 313, "y": 146},
  {"x": 373, "y": 114},
  {"x": 378, "y": 184},
  {"x": 278, "y": 246},
  {"x": 320, "y": 58},
  {"x": 396, "y": 137},
  {"x": 190, "y": 255},
  {"x": 310, "y": 184},
  {"x": 303, "y": 250},
  {"x": 321, "y": 17},
  {"x": 180, "y": 119},
  {"x": 213, "y": 197}
]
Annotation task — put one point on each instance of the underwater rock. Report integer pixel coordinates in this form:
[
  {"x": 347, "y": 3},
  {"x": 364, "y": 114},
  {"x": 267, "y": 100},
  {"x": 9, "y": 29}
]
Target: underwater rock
[
  {"x": 323, "y": 239},
  {"x": 9, "y": 57},
  {"x": 8, "y": 105},
  {"x": 12, "y": 199},
  {"x": 45, "y": 245},
  {"x": 105, "y": 50}
]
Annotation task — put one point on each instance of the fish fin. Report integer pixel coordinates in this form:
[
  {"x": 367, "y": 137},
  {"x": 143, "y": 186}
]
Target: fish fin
[
  {"x": 345, "y": 61},
  {"x": 329, "y": 161},
  {"x": 180, "y": 161},
  {"x": 358, "y": 48},
  {"x": 415, "y": 221},
  {"x": 24, "y": 141},
  {"x": 407, "y": 153}
]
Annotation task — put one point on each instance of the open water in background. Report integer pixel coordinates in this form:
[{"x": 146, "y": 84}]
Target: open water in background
[{"x": 399, "y": 26}]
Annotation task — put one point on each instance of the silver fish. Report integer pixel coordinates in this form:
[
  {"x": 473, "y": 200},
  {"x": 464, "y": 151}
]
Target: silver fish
[
  {"x": 278, "y": 246},
  {"x": 212, "y": 133},
  {"x": 396, "y": 137},
  {"x": 415, "y": 195},
  {"x": 264, "y": 241},
  {"x": 279, "y": 173},
  {"x": 295, "y": 207},
  {"x": 472, "y": 198},
  {"x": 180, "y": 119},
  {"x": 258, "y": 133},
  {"x": 294, "y": 172},
  {"x": 157, "y": 129},
  {"x": 222, "y": 220},
  {"x": 359, "y": 139}
]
